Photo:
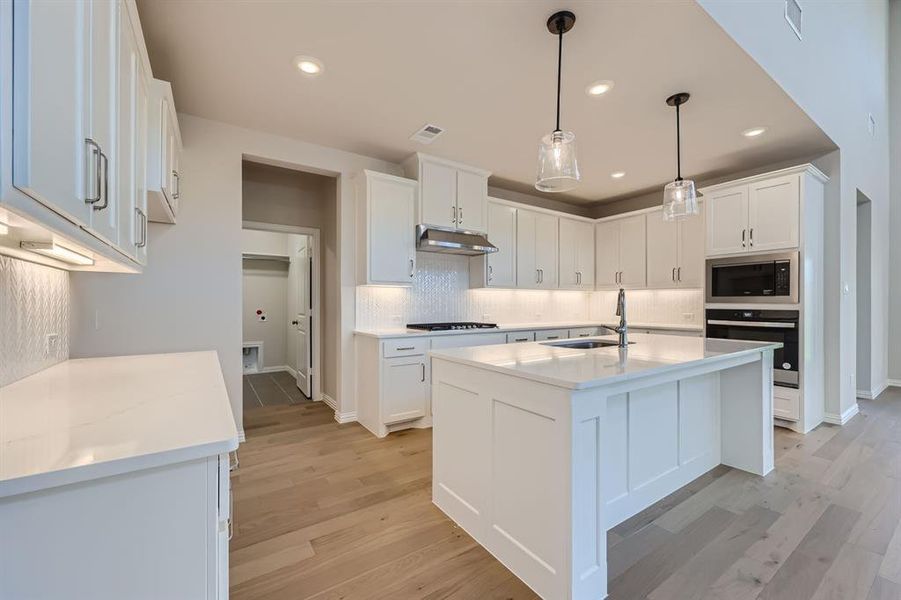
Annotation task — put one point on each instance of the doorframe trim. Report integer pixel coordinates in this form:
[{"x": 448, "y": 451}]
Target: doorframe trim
[{"x": 313, "y": 232}]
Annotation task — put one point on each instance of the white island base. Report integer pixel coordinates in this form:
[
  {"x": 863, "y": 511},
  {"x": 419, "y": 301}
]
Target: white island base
[{"x": 538, "y": 451}]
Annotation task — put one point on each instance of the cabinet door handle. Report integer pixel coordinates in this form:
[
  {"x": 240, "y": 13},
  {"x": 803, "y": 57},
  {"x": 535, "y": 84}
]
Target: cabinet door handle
[
  {"x": 541, "y": 274},
  {"x": 537, "y": 278},
  {"x": 105, "y": 162},
  {"x": 412, "y": 267},
  {"x": 674, "y": 273},
  {"x": 751, "y": 237},
  {"x": 678, "y": 273},
  {"x": 143, "y": 225},
  {"x": 490, "y": 272},
  {"x": 454, "y": 214},
  {"x": 95, "y": 150},
  {"x": 743, "y": 238},
  {"x": 460, "y": 216},
  {"x": 177, "y": 191},
  {"x": 423, "y": 371}
]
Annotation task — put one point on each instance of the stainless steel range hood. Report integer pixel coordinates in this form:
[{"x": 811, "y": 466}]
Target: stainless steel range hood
[{"x": 450, "y": 241}]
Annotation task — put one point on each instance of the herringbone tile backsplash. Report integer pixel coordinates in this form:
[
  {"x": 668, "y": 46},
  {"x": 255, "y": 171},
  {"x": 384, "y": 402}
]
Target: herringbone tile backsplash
[{"x": 34, "y": 304}]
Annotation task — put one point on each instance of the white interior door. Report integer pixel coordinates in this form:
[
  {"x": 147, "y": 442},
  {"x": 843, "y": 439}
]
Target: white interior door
[{"x": 303, "y": 320}]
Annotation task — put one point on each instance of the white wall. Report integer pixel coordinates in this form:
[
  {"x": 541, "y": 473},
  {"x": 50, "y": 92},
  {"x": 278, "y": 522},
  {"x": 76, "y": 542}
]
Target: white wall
[
  {"x": 837, "y": 75},
  {"x": 265, "y": 287},
  {"x": 895, "y": 186},
  {"x": 189, "y": 296}
]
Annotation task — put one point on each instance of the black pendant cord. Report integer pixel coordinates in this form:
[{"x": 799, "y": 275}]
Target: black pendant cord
[
  {"x": 559, "y": 69},
  {"x": 678, "y": 147}
]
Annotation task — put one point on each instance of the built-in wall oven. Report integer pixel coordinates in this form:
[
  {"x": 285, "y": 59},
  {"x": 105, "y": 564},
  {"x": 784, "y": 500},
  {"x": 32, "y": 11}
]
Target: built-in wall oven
[
  {"x": 762, "y": 326},
  {"x": 759, "y": 278}
]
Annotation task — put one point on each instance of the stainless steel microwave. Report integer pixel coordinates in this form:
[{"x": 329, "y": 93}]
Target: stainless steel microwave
[{"x": 760, "y": 278}]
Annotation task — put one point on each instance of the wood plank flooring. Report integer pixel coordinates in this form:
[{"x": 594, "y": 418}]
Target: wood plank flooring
[{"x": 328, "y": 511}]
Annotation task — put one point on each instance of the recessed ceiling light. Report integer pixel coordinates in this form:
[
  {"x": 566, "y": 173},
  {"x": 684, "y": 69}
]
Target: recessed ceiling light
[
  {"x": 599, "y": 88},
  {"x": 754, "y": 131},
  {"x": 618, "y": 174},
  {"x": 308, "y": 65}
]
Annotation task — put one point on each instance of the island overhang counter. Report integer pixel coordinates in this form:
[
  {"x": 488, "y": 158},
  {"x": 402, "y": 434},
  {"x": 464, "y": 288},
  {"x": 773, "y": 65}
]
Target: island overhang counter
[{"x": 539, "y": 449}]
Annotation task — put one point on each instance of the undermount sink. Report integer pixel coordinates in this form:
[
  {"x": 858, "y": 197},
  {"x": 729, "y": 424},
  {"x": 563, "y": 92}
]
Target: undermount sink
[{"x": 583, "y": 344}]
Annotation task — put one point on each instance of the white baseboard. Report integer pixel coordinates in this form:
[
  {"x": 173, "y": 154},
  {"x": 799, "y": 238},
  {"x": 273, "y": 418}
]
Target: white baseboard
[
  {"x": 276, "y": 369},
  {"x": 843, "y": 418},
  {"x": 241, "y": 437},
  {"x": 329, "y": 401},
  {"x": 291, "y": 370},
  {"x": 347, "y": 417},
  {"x": 893, "y": 382},
  {"x": 873, "y": 393}
]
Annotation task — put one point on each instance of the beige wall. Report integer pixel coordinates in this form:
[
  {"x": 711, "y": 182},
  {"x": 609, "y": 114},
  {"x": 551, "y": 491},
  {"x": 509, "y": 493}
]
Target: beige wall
[
  {"x": 265, "y": 287},
  {"x": 290, "y": 197}
]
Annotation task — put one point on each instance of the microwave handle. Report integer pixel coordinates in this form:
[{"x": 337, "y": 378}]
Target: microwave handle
[{"x": 767, "y": 324}]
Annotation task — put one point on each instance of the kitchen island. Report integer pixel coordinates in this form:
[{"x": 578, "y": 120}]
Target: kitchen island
[{"x": 538, "y": 449}]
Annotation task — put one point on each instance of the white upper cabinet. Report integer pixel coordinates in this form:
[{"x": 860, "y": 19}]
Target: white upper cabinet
[
  {"x": 536, "y": 249},
  {"x": 451, "y": 195},
  {"x": 497, "y": 269},
  {"x": 577, "y": 253},
  {"x": 762, "y": 215},
  {"x": 774, "y": 212},
  {"x": 621, "y": 254},
  {"x": 386, "y": 230},
  {"x": 80, "y": 116},
  {"x": 675, "y": 251},
  {"x": 163, "y": 152},
  {"x": 50, "y": 60}
]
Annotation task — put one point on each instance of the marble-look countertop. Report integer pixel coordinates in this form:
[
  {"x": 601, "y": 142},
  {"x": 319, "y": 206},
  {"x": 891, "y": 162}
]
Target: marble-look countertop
[
  {"x": 578, "y": 369},
  {"x": 90, "y": 418},
  {"x": 396, "y": 332}
]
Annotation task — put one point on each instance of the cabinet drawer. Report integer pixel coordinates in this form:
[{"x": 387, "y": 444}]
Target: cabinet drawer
[
  {"x": 520, "y": 336},
  {"x": 583, "y": 332},
  {"x": 404, "y": 347},
  {"x": 551, "y": 334},
  {"x": 786, "y": 403}
]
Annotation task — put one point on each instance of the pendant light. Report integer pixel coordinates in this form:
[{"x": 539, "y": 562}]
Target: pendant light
[
  {"x": 558, "y": 170},
  {"x": 680, "y": 200}
]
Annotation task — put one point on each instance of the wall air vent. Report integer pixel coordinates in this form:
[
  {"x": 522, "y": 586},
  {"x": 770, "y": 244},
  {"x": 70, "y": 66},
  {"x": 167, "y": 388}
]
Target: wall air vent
[
  {"x": 793, "y": 16},
  {"x": 427, "y": 134}
]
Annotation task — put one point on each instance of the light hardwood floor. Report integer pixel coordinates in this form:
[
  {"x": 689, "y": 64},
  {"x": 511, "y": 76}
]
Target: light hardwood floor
[{"x": 329, "y": 511}]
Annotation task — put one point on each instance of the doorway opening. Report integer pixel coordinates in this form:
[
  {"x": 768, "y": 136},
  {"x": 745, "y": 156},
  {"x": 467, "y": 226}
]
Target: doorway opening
[
  {"x": 864, "y": 296},
  {"x": 280, "y": 279}
]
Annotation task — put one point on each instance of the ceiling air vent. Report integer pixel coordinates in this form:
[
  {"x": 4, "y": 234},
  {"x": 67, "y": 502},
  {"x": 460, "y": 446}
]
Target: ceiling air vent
[
  {"x": 793, "y": 16},
  {"x": 427, "y": 134}
]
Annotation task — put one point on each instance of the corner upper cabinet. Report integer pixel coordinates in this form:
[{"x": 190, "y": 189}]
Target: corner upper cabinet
[
  {"x": 536, "y": 249},
  {"x": 385, "y": 229},
  {"x": 621, "y": 253},
  {"x": 497, "y": 269},
  {"x": 163, "y": 154},
  {"x": 757, "y": 214},
  {"x": 675, "y": 251},
  {"x": 451, "y": 195},
  {"x": 577, "y": 254}
]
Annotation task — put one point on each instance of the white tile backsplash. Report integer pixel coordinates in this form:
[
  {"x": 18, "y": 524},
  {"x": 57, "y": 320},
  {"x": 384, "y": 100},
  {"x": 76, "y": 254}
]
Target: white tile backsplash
[
  {"x": 34, "y": 304},
  {"x": 440, "y": 292}
]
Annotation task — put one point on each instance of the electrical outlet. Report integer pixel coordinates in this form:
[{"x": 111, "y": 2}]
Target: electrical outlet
[{"x": 52, "y": 344}]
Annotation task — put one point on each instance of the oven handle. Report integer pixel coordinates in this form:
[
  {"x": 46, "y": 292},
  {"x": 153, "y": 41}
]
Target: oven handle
[{"x": 767, "y": 324}]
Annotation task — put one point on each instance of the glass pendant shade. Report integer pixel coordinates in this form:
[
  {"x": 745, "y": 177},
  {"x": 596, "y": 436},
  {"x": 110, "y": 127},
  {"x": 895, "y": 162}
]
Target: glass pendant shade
[
  {"x": 680, "y": 200},
  {"x": 558, "y": 169}
]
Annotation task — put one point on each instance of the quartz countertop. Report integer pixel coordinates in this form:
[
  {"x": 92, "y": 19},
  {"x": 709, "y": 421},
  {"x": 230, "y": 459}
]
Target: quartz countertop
[
  {"x": 579, "y": 369},
  {"x": 396, "y": 332},
  {"x": 89, "y": 418}
]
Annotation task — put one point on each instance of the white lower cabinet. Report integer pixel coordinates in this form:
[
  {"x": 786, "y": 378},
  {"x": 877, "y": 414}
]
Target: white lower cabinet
[
  {"x": 583, "y": 332},
  {"x": 154, "y": 533},
  {"x": 520, "y": 336},
  {"x": 404, "y": 389}
]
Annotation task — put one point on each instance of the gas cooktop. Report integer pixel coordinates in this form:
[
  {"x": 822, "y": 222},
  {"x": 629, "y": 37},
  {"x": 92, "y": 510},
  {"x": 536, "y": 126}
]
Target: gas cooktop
[{"x": 451, "y": 325}]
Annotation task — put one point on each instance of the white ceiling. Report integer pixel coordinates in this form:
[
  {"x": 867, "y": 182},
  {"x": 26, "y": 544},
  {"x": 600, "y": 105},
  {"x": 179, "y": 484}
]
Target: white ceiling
[{"x": 485, "y": 71}]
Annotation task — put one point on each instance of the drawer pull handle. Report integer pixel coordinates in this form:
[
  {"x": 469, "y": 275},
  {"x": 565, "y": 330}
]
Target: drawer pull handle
[
  {"x": 553, "y": 337},
  {"x": 406, "y": 348}
]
